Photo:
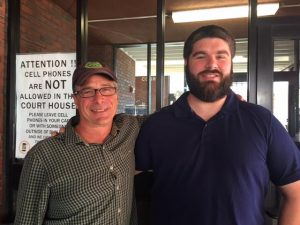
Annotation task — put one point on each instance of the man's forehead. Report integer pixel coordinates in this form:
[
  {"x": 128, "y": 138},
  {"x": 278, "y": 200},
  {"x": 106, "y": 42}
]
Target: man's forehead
[
  {"x": 99, "y": 77},
  {"x": 207, "y": 44},
  {"x": 96, "y": 78},
  {"x": 211, "y": 40}
]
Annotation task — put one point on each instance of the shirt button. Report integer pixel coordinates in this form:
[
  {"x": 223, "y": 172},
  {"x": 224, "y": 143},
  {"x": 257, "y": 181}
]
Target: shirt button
[
  {"x": 111, "y": 167},
  {"x": 119, "y": 210},
  {"x": 118, "y": 187}
]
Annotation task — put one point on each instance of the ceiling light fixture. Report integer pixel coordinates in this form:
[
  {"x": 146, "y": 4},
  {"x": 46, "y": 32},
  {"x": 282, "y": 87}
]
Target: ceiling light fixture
[{"x": 222, "y": 13}]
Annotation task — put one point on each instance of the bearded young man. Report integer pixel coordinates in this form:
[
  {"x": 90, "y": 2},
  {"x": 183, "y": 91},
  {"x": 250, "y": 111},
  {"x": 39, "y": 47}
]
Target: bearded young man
[{"x": 213, "y": 155}]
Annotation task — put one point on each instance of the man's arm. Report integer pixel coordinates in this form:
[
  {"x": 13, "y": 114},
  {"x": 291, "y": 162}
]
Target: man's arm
[
  {"x": 33, "y": 193},
  {"x": 290, "y": 208}
]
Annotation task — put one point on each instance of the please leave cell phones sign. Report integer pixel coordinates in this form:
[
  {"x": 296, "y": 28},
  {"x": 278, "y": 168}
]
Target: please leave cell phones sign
[{"x": 43, "y": 96}]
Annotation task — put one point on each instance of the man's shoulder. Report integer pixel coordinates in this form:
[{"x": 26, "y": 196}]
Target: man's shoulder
[
  {"x": 256, "y": 114},
  {"x": 124, "y": 120},
  {"x": 160, "y": 118},
  {"x": 163, "y": 112},
  {"x": 123, "y": 117},
  {"x": 248, "y": 107},
  {"x": 46, "y": 147}
]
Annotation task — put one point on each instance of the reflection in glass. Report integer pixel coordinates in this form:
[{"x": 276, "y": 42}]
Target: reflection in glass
[
  {"x": 280, "y": 101},
  {"x": 284, "y": 55}
]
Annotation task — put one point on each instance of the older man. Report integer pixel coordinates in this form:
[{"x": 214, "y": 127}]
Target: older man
[{"x": 85, "y": 175}]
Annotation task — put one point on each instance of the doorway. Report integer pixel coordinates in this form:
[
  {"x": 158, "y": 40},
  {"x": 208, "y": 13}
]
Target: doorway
[
  {"x": 278, "y": 83},
  {"x": 278, "y": 70}
]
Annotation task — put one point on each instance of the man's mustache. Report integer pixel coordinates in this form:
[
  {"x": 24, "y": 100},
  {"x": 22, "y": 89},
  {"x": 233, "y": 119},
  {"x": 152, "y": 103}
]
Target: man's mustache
[{"x": 204, "y": 72}]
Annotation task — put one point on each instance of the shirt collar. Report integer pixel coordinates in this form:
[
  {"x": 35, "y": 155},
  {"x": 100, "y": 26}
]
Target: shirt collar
[
  {"x": 72, "y": 138},
  {"x": 181, "y": 106}
]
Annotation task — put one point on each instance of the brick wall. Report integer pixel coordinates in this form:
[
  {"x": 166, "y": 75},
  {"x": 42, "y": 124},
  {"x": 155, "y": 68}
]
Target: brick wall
[
  {"x": 125, "y": 69},
  {"x": 3, "y": 24},
  {"x": 101, "y": 53},
  {"x": 45, "y": 27},
  {"x": 141, "y": 91}
]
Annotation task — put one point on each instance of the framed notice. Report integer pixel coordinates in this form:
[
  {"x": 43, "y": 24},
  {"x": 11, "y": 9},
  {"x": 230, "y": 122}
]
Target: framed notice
[{"x": 43, "y": 96}]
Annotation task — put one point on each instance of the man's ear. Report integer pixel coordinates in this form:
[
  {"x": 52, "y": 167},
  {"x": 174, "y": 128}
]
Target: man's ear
[
  {"x": 185, "y": 62},
  {"x": 75, "y": 99}
]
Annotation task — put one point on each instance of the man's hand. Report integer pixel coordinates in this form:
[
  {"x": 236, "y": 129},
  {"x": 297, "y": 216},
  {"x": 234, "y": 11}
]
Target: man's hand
[
  {"x": 240, "y": 97},
  {"x": 55, "y": 133}
]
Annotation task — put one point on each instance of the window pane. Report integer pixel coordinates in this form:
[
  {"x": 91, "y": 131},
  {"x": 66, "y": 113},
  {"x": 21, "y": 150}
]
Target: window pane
[
  {"x": 240, "y": 84},
  {"x": 284, "y": 55}
]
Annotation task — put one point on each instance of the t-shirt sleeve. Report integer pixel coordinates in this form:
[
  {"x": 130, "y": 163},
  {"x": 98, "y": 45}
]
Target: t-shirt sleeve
[{"x": 283, "y": 156}]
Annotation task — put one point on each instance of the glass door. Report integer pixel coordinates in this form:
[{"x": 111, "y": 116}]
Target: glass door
[
  {"x": 278, "y": 71},
  {"x": 278, "y": 83}
]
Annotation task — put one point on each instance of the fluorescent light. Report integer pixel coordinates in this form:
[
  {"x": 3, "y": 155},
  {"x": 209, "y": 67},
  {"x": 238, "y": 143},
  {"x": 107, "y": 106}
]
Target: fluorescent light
[
  {"x": 267, "y": 9},
  {"x": 222, "y": 13}
]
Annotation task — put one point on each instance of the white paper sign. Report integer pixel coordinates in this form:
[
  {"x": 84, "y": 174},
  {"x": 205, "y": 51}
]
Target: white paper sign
[{"x": 44, "y": 96}]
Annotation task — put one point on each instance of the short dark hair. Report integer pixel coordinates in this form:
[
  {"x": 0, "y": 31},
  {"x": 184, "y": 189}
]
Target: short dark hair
[{"x": 210, "y": 31}]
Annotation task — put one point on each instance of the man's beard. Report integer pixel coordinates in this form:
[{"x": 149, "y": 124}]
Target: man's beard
[{"x": 208, "y": 91}]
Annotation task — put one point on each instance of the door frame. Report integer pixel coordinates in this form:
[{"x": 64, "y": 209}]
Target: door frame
[{"x": 268, "y": 30}]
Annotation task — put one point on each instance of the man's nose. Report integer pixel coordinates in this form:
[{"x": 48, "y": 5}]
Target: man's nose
[
  {"x": 211, "y": 63},
  {"x": 97, "y": 92},
  {"x": 98, "y": 95}
]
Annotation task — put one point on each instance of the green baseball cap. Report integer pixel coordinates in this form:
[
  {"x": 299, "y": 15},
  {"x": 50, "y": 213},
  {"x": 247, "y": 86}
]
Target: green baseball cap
[{"x": 84, "y": 71}]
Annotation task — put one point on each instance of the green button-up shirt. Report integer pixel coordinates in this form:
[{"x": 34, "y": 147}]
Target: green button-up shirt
[{"x": 67, "y": 181}]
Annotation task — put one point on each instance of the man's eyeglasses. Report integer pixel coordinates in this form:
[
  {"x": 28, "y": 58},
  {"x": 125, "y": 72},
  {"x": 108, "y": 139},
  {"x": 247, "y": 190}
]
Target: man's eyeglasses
[{"x": 89, "y": 92}]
